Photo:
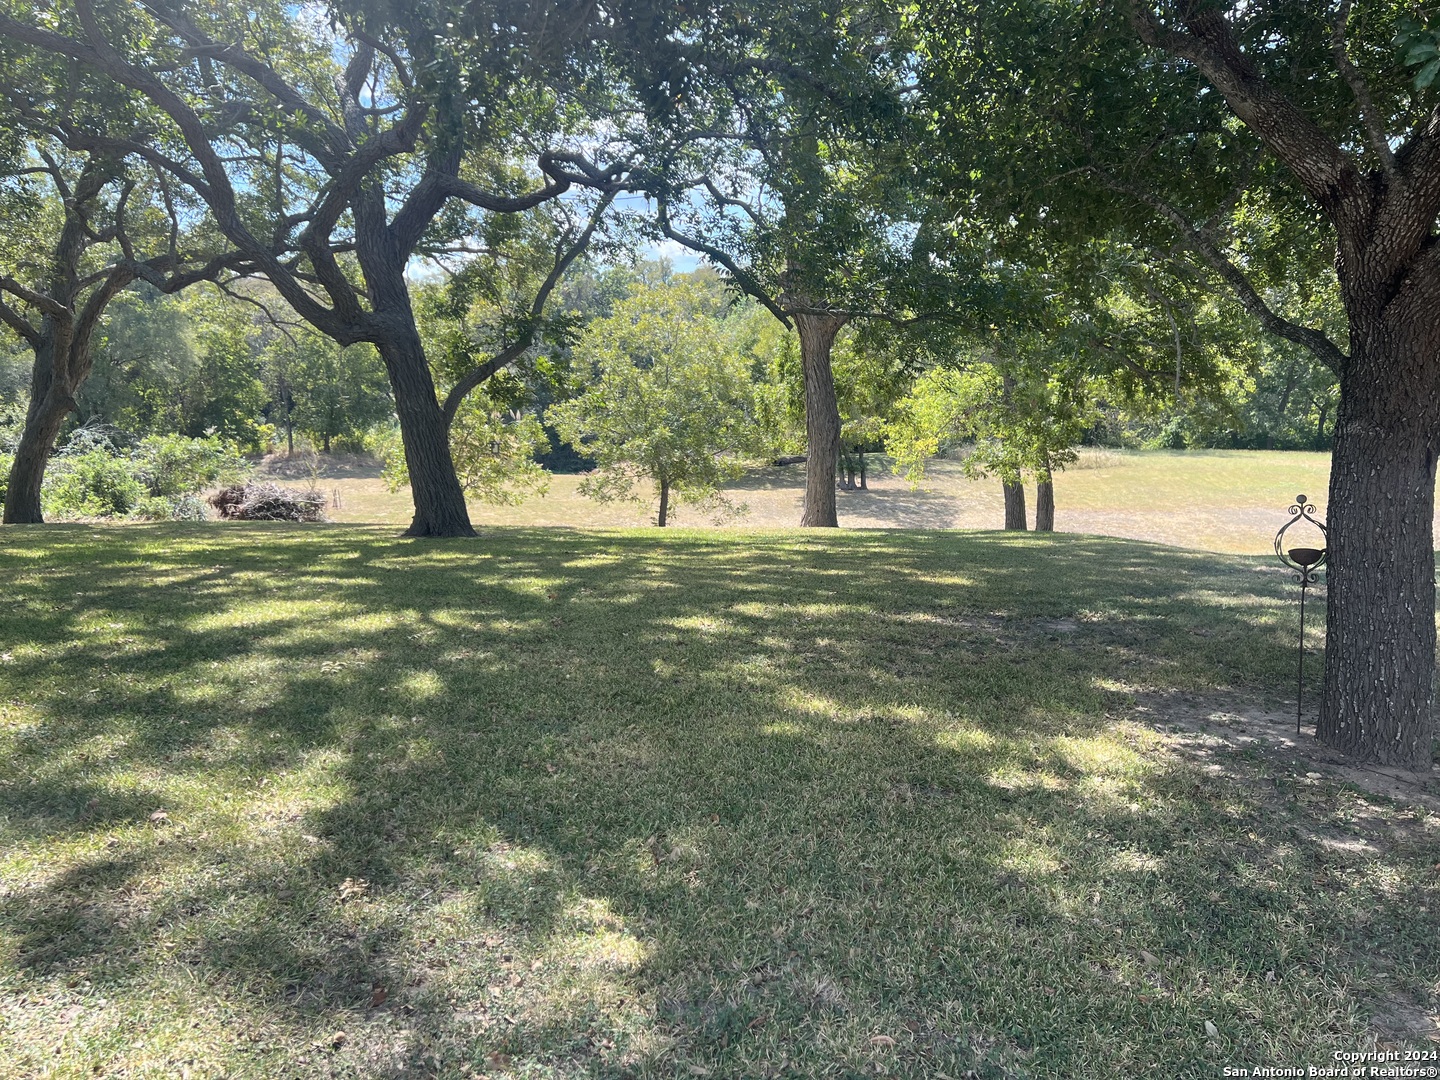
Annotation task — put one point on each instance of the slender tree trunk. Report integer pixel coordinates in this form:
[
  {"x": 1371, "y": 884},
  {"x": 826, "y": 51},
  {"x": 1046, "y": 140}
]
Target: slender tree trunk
[
  {"x": 50, "y": 404},
  {"x": 1380, "y": 619},
  {"x": 1320, "y": 425},
  {"x": 663, "y": 518},
  {"x": 822, "y": 417},
  {"x": 1289, "y": 389},
  {"x": 1045, "y": 501},
  {"x": 1014, "y": 506},
  {"x": 863, "y": 485}
]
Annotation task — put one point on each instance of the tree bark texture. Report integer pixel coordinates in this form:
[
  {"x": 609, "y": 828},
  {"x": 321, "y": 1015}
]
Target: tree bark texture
[
  {"x": 440, "y": 509},
  {"x": 1045, "y": 502},
  {"x": 1378, "y": 701},
  {"x": 662, "y": 519},
  {"x": 50, "y": 403},
  {"x": 1014, "y": 506},
  {"x": 822, "y": 417},
  {"x": 63, "y": 346}
]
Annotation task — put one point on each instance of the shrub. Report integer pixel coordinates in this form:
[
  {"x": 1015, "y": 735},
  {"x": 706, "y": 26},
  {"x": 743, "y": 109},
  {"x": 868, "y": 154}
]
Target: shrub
[
  {"x": 170, "y": 508},
  {"x": 94, "y": 483},
  {"x": 265, "y": 501},
  {"x": 172, "y": 465},
  {"x": 5, "y": 462}
]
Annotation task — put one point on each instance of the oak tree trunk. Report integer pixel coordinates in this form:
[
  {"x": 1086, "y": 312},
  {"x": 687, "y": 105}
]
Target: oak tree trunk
[
  {"x": 1380, "y": 617},
  {"x": 440, "y": 508},
  {"x": 1014, "y": 506},
  {"x": 63, "y": 348},
  {"x": 1045, "y": 502},
  {"x": 822, "y": 417},
  {"x": 439, "y": 500},
  {"x": 661, "y": 520},
  {"x": 50, "y": 403}
]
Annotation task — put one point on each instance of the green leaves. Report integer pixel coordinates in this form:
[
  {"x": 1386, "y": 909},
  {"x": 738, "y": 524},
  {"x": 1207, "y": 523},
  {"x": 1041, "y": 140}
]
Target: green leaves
[
  {"x": 1419, "y": 46},
  {"x": 670, "y": 401}
]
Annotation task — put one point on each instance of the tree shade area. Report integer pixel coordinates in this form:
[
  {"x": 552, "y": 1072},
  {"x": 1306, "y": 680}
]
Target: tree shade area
[
  {"x": 806, "y": 264},
  {"x": 631, "y": 804}
]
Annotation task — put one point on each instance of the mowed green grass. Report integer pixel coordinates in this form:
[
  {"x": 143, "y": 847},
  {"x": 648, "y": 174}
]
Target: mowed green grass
[
  {"x": 1212, "y": 500},
  {"x": 308, "y": 802}
]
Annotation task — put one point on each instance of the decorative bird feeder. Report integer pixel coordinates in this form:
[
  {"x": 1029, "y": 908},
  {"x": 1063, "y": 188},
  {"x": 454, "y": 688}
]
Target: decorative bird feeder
[{"x": 1304, "y": 561}]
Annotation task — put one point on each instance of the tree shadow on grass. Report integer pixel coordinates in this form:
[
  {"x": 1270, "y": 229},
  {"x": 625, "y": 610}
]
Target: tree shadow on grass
[{"x": 611, "y": 804}]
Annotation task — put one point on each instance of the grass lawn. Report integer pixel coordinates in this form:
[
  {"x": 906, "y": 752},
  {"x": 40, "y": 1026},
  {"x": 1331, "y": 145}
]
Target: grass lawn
[
  {"x": 1215, "y": 500},
  {"x": 309, "y": 802}
]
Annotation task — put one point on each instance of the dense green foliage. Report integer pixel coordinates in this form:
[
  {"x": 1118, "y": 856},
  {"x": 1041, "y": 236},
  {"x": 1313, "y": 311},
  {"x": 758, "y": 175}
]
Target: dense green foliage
[
  {"x": 668, "y": 400},
  {"x": 161, "y": 477}
]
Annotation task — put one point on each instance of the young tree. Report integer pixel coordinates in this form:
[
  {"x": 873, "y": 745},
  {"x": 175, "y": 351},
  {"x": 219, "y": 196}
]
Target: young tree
[
  {"x": 1020, "y": 420},
  {"x": 871, "y": 375},
  {"x": 668, "y": 401}
]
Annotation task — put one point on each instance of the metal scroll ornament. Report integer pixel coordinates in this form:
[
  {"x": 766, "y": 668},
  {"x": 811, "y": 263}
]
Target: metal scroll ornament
[{"x": 1304, "y": 561}]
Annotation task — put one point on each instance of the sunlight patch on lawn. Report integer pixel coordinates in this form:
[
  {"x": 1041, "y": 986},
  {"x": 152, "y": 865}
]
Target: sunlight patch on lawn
[
  {"x": 966, "y": 740},
  {"x": 421, "y": 685},
  {"x": 1030, "y": 857}
]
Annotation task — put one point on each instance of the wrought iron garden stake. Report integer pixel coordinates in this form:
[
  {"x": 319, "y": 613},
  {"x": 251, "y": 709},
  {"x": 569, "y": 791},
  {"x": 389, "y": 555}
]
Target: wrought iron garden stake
[{"x": 1304, "y": 561}]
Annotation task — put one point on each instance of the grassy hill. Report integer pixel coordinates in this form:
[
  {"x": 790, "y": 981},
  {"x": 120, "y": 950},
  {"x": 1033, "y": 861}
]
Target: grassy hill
[{"x": 556, "y": 803}]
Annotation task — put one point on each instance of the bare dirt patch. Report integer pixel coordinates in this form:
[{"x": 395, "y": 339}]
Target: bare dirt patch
[{"x": 1202, "y": 724}]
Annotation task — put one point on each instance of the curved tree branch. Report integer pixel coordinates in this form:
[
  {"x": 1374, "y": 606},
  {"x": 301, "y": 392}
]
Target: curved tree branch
[
  {"x": 564, "y": 258},
  {"x": 1324, "y": 350}
]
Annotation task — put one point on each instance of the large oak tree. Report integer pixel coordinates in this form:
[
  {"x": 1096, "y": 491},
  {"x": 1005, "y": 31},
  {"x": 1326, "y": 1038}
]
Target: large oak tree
[
  {"x": 327, "y": 154},
  {"x": 1257, "y": 141}
]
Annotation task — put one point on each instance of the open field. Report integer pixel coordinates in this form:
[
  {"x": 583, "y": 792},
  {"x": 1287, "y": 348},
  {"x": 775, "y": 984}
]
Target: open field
[
  {"x": 315, "y": 802},
  {"x": 1214, "y": 500}
]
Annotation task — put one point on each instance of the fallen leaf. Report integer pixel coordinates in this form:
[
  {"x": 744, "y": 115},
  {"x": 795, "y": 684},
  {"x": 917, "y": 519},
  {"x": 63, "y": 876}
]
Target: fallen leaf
[
  {"x": 497, "y": 1060},
  {"x": 159, "y": 817},
  {"x": 378, "y": 996},
  {"x": 698, "y": 1070},
  {"x": 339, "y": 1039},
  {"x": 1211, "y": 1031},
  {"x": 881, "y": 1040},
  {"x": 1150, "y": 958}
]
